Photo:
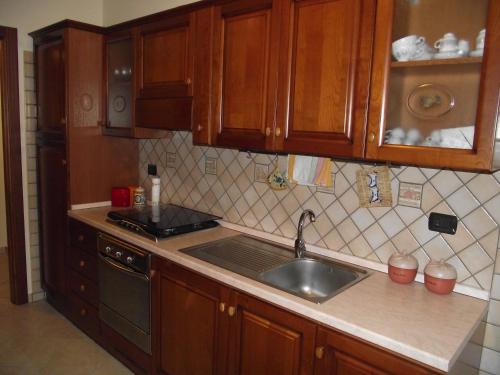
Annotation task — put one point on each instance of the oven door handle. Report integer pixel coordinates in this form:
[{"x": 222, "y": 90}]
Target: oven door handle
[{"x": 114, "y": 264}]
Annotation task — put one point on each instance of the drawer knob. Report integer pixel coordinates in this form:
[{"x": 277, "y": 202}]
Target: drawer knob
[
  {"x": 231, "y": 311},
  {"x": 188, "y": 81},
  {"x": 199, "y": 128},
  {"x": 82, "y": 263},
  {"x": 81, "y": 237},
  {"x": 83, "y": 311},
  {"x": 320, "y": 352},
  {"x": 82, "y": 287},
  {"x": 371, "y": 137},
  {"x": 222, "y": 307},
  {"x": 278, "y": 132},
  {"x": 268, "y": 131}
]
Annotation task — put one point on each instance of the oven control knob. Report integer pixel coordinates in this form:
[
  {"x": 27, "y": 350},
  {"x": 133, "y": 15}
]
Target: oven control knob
[
  {"x": 130, "y": 259},
  {"x": 118, "y": 254},
  {"x": 108, "y": 249}
]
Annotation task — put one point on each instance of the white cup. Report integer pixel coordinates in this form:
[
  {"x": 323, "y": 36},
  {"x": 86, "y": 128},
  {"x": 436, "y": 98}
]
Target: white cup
[
  {"x": 407, "y": 48},
  {"x": 480, "y": 39},
  {"x": 448, "y": 43},
  {"x": 463, "y": 47}
]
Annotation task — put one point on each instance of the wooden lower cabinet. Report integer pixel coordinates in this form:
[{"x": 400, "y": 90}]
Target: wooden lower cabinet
[
  {"x": 204, "y": 327},
  {"x": 191, "y": 322},
  {"x": 267, "y": 340},
  {"x": 340, "y": 354}
]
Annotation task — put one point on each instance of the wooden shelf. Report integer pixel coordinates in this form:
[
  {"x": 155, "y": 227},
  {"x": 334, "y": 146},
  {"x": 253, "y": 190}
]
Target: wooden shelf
[{"x": 417, "y": 63}]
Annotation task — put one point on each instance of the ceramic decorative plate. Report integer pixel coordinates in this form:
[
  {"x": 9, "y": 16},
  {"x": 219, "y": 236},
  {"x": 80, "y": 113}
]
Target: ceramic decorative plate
[
  {"x": 430, "y": 101},
  {"x": 119, "y": 103}
]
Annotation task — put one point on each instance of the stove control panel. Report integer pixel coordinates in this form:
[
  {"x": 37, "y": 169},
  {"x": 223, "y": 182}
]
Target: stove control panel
[{"x": 124, "y": 253}]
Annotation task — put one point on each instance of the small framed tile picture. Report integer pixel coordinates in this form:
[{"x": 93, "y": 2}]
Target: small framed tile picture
[{"x": 410, "y": 194}]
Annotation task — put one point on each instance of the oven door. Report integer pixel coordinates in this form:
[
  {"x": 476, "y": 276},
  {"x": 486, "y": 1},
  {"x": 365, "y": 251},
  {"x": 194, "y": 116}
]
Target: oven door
[{"x": 125, "y": 301}]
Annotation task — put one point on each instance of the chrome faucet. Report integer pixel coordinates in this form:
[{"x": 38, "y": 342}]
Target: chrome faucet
[{"x": 300, "y": 246}]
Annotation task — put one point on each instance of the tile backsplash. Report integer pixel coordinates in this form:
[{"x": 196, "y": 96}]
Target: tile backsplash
[{"x": 227, "y": 183}]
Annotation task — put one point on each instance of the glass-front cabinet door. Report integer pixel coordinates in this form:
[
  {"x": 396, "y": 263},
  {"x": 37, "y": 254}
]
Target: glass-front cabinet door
[
  {"x": 119, "y": 58},
  {"x": 435, "y": 83}
]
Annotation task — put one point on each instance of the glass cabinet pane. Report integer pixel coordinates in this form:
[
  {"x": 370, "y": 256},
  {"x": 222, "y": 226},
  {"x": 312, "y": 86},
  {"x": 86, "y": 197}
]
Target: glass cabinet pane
[
  {"x": 437, "y": 48},
  {"x": 120, "y": 62}
]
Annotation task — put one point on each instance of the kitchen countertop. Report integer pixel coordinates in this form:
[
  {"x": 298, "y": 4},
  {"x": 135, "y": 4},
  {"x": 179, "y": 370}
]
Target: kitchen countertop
[{"x": 406, "y": 319}]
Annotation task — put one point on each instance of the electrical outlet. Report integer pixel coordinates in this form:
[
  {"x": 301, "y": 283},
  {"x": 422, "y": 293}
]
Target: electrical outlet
[
  {"x": 171, "y": 161},
  {"x": 210, "y": 166}
]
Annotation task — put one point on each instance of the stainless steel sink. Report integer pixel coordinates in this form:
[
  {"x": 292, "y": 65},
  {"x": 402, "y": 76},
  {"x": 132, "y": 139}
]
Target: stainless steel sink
[{"x": 313, "y": 277}]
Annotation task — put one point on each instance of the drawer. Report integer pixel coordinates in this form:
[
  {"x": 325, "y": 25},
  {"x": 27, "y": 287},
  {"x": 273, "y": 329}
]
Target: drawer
[
  {"x": 84, "y": 288},
  {"x": 84, "y": 315},
  {"x": 82, "y": 262},
  {"x": 82, "y": 236}
]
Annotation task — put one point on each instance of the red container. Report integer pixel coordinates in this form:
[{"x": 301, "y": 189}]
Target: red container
[
  {"x": 440, "y": 277},
  {"x": 402, "y": 268},
  {"x": 120, "y": 197}
]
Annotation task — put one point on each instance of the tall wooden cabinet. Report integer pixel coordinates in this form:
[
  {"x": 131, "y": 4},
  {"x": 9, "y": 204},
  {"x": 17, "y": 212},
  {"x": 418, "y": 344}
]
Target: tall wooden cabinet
[
  {"x": 76, "y": 163},
  {"x": 52, "y": 172}
]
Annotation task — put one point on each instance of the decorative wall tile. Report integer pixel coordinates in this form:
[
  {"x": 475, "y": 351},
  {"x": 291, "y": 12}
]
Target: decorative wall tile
[{"x": 341, "y": 225}]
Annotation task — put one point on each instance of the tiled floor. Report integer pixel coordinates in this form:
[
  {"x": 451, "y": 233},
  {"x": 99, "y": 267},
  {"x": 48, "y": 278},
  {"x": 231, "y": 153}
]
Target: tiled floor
[{"x": 35, "y": 339}]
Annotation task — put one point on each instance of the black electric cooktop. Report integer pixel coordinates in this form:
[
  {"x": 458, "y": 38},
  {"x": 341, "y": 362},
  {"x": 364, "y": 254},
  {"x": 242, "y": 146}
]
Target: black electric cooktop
[{"x": 162, "y": 221}]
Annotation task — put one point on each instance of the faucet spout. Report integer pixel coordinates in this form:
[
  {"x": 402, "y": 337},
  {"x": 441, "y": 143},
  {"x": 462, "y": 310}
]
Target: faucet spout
[{"x": 300, "y": 246}]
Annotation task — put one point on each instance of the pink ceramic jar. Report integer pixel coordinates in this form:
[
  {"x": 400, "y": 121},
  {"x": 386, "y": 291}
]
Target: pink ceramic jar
[
  {"x": 402, "y": 268},
  {"x": 440, "y": 277}
]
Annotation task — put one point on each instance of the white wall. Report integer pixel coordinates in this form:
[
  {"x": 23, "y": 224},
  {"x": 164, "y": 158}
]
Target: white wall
[
  {"x": 30, "y": 15},
  {"x": 116, "y": 11}
]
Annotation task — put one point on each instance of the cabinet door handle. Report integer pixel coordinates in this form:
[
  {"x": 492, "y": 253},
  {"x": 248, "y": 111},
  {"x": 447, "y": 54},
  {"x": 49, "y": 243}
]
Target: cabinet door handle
[
  {"x": 371, "y": 137},
  {"x": 83, "y": 312},
  {"x": 278, "y": 132},
  {"x": 320, "y": 352},
  {"x": 222, "y": 307},
  {"x": 81, "y": 237},
  {"x": 82, "y": 263},
  {"x": 268, "y": 131},
  {"x": 188, "y": 81},
  {"x": 82, "y": 288},
  {"x": 199, "y": 128},
  {"x": 63, "y": 162},
  {"x": 63, "y": 121},
  {"x": 231, "y": 311}
]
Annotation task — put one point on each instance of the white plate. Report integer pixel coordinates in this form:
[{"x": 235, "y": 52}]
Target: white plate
[
  {"x": 446, "y": 55},
  {"x": 476, "y": 53}
]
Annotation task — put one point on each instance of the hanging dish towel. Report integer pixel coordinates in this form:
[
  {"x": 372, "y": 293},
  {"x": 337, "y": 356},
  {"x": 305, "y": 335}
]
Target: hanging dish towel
[{"x": 310, "y": 170}]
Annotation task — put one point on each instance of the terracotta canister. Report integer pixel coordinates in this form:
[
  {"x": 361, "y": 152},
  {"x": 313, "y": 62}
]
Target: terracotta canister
[
  {"x": 440, "y": 277},
  {"x": 402, "y": 268}
]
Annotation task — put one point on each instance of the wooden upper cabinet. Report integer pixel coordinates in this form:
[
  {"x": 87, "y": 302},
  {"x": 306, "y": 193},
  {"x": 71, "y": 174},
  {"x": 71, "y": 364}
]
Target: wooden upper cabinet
[
  {"x": 439, "y": 112},
  {"x": 165, "y": 57},
  {"x": 267, "y": 340},
  {"x": 51, "y": 84},
  {"x": 326, "y": 50},
  {"x": 165, "y": 73},
  {"x": 202, "y": 77},
  {"x": 245, "y": 73}
]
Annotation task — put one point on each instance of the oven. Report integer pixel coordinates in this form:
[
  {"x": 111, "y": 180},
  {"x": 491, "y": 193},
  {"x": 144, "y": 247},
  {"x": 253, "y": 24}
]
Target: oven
[{"x": 125, "y": 290}]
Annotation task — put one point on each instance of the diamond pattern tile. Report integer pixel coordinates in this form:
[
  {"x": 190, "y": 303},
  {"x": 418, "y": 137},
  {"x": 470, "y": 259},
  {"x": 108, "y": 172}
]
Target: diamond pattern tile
[
  {"x": 446, "y": 182},
  {"x": 341, "y": 225}
]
